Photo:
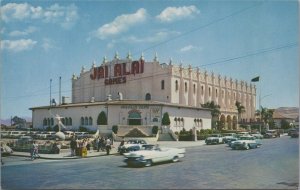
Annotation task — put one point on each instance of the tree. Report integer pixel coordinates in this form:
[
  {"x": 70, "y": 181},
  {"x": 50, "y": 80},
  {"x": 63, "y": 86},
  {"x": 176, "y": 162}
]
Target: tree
[
  {"x": 83, "y": 129},
  {"x": 115, "y": 129},
  {"x": 266, "y": 115},
  {"x": 56, "y": 128},
  {"x": 102, "y": 120},
  {"x": 154, "y": 129},
  {"x": 215, "y": 112},
  {"x": 166, "y": 119},
  {"x": 240, "y": 108},
  {"x": 284, "y": 124}
]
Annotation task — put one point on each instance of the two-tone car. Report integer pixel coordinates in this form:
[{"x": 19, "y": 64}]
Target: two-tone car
[
  {"x": 214, "y": 139},
  {"x": 227, "y": 137},
  {"x": 150, "y": 154},
  {"x": 132, "y": 145},
  {"x": 245, "y": 143}
]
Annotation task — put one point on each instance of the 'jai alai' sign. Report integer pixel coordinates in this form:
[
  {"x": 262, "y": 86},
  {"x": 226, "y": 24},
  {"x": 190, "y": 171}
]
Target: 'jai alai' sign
[{"x": 120, "y": 72}]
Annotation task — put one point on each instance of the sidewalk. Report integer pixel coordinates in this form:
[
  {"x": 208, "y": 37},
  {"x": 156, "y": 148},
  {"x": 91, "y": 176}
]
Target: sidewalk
[{"x": 66, "y": 153}]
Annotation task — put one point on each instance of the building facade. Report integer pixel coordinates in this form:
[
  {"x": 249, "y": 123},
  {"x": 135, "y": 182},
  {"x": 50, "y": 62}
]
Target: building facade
[{"x": 136, "y": 90}]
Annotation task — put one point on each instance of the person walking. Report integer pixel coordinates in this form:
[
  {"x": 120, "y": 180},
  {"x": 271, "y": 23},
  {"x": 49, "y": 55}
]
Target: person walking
[
  {"x": 34, "y": 150},
  {"x": 108, "y": 146},
  {"x": 98, "y": 144},
  {"x": 73, "y": 146}
]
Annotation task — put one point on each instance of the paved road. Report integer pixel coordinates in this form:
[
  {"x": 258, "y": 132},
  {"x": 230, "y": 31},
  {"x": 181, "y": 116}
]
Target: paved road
[{"x": 273, "y": 166}]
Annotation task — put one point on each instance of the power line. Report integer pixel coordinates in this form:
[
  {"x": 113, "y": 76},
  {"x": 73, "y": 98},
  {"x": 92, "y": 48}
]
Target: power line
[
  {"x": 201, "y": 27},
  {"x": 255, "y": 53}
]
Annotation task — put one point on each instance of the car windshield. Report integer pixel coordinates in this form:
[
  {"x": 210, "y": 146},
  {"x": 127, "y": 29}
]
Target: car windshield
[
  {"x": 215, "y": 135},
  {"x": 147, "y": 147}
]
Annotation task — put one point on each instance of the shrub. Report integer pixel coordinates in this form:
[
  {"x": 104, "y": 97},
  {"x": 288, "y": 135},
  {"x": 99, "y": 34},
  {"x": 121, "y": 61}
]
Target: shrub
[
  {"x": 83, "y": 129},
  {"x": 166, "y": 119},
  {"x": 102, "y": 120},
  {"x": 154, "y": 129},
  {"x": 115, "y": 129},
  {"x": 48, "y": 128}
]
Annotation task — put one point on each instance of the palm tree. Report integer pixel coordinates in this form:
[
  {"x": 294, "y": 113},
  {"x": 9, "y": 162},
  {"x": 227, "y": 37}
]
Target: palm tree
[
  {"x": 265, "y": 114},
  {"x": 240, "y": 108},
  {"x": 215, "y": 111}
]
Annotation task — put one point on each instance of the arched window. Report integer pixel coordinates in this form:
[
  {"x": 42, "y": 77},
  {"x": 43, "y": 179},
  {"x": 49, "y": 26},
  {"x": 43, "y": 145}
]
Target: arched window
[
  {"x": 185, "y": 87},
  {"x": 155, "y": 119},
  {"x": 202, "y": 90},
  {"x": 148, "y": 96},
  {"x": 216, "y": 92},
  {"x": 90, "y": 121},
  {"x": 86, "y": 121},
  {"x": 82, "y": 121},
  {"x": 162, "y": 84},
  {"x": 194, "y": 88},
  {"x": 209, "y": 91},
  {"x": 70, "y": 121},
  {"x": 66, "y": 121},
  {"x": 176, "y": 85},
  {"x": 63, "y": 121},
  {"x": 52, "y": 122},
  {"x": 48, "y": 121},
  {"x": 45, "y": 122}
]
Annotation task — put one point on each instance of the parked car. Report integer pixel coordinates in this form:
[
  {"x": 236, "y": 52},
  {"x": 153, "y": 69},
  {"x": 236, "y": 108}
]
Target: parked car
[
  {"x": 228, "y": 137},
  {"x": 295, "y": 133},
  {"x": 231, "y": 141},
  {"x": 149, "y": 155},
  {"x": 246, "y": 142},
  {"x": 257, "y": 135},
  {"x": 214, "y": 139},
  {"x": 271, "y": 134},
  {"x": 132, "y": 145}
]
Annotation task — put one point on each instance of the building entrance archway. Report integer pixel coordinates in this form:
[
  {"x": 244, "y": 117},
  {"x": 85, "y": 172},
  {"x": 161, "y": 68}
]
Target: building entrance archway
[{"x": 134, "y": 118}]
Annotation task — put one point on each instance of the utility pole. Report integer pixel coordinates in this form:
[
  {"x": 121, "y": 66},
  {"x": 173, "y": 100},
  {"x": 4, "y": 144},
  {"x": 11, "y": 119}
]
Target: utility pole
[
  {"x": 59, "y": 91},
  {"x": 50, "y": 92}
]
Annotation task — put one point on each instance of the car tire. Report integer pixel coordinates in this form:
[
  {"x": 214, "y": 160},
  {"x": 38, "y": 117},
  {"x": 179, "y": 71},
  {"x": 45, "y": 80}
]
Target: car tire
[
  {"x": 148, "y": 163},
  {"x": 175, "y": 159}
]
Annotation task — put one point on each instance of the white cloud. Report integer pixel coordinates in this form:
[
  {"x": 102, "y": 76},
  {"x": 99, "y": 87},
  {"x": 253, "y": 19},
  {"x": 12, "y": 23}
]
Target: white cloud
[
  {"x": 156, "y": 37},
  {"x": 26, "y": 32},
  {"x": 171, "y": 14},
  {"x": 17, "y": 45},
  {"x": 66, "y": 16},
  {"x": 121, "y": 24},
  {"x": 189, "y": 48},
  {"x": 48, "y": 44}
]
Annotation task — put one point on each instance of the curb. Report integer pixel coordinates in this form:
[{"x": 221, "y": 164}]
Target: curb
[{"x": 63, "y": 158}]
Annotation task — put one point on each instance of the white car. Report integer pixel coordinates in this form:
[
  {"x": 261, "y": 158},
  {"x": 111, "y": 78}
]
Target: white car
[
  {"x": 132, "y": 145},
  {"x": 150, "y": 154},
  {"x": 214, "y": 139},
  {"x": 246, "y": 142},
  {"x": 257, "y": 135}
]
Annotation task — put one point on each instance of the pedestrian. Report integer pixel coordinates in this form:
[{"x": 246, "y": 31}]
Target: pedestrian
[
  {"x": 88, "y": 146},
  {"x": 121, "y": 145},
  {"x": 98, "y": 144},
  {"x": 34, "y": 150},
  {"x": 102, "y": 143},
  {"x": 73, "y": 146},
  {"x": 108, "y": 146},
  {"x": 84, "y": 149}
]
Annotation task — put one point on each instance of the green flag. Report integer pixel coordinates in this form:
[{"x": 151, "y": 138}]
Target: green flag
[{"x": 256, "y": 79}]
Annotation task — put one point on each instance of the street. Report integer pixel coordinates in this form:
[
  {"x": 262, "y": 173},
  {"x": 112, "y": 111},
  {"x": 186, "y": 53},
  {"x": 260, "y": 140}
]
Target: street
[{"x": 275, "y": 165}]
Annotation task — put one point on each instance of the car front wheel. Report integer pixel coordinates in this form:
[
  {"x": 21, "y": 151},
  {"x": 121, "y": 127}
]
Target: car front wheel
[
  {"x": 148, "y": 163},
  {"x": 175, "y": 159}
]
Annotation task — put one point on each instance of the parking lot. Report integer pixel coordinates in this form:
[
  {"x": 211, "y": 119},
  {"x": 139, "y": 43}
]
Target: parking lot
[{"x": 275, "y": 165}]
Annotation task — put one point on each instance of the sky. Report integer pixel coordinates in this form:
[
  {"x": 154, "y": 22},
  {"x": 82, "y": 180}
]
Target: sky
[{"x": 43, "y": 40}]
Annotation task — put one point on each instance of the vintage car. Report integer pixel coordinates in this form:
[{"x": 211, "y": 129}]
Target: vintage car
[
  {"x": 257, "y": 135},
  {"x": 227, "y": 137},
  {"x": 295, "y": 133},
  {"x": 246, "y": 142},
  {"x": 150, "y": 154},
  {"x": 132, "y": 145},
  {"x": 214, "y": 139},
  {"x": 271, "y": 134}
]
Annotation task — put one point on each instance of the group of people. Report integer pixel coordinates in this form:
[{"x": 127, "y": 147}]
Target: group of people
[{"x": 82, "y": 147}]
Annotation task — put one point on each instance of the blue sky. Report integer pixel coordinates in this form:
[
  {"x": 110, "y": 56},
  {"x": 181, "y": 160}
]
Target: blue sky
[{"x": 43, "y": 40}]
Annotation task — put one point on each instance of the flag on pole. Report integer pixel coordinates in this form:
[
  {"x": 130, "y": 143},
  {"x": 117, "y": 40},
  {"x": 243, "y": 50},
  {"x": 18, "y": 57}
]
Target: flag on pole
[{"x": 256, "y": 79}]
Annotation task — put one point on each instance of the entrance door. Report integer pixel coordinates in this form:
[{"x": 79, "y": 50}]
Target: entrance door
[{"x": 134, "y": 118}]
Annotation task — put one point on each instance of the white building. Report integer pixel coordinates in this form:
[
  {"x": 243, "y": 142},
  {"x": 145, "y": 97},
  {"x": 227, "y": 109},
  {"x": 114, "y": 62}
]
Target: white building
[{"x": 124, "y": 89}]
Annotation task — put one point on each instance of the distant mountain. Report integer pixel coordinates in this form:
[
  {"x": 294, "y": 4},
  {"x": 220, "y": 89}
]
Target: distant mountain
[{"x": 286, "y": 112}]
